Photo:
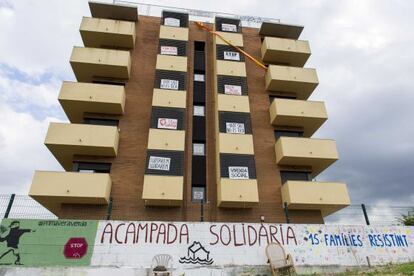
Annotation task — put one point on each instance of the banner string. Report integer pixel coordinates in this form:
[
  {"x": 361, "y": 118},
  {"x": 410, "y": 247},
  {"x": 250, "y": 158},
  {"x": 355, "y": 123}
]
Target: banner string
[{"x": 258, "y": 63}]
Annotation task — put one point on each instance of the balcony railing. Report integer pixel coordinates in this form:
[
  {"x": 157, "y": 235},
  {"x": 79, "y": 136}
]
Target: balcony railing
[
  {"x": 299, "y": 81},
  {"x": 237, "y": 193},
  {"x": 328, "y": 197},
  {"x": 95, "y": 64},
  {"x": 77, "y": 98},
  {"x": 66, "y": 140},
  {"x": 307, "y": 115},
  {"x": 107, "y": 33},
  {"x": 316, "y": 154},
  {"x": 285, "y": 51},
  {"x": 51, "y": 189}
]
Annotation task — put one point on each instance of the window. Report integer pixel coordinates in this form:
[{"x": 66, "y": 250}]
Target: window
[
  {"x": 288, "y": 133},
  {"x": 272, "y": 97},
  {"x": 199, "y": 110},
  {"x": 101, "y": 121},
  {"x": 237, "y": 166},
  {"x": 198, "y": 194},
  {"x": 294, "y": 175},
  {"x": 199, "y": 77},
  {"x": 91, "y": 167},
  {"x": 198, "y": 149}
]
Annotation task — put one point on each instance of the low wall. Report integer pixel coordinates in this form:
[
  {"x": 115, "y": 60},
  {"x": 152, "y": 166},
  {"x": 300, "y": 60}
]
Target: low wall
[{"x": 134, "y": 245}]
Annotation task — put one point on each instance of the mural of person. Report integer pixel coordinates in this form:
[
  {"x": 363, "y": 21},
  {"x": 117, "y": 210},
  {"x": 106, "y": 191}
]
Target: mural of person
[{"x": 12, "y": 238}]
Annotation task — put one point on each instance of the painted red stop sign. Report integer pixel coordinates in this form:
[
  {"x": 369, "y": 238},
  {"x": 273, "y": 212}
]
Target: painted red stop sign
[{"x": 75, "y": 248}]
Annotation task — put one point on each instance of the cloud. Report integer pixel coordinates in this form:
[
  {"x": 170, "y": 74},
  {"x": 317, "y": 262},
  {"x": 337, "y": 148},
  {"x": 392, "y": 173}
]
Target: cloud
[{"x": 22, "y": 149}]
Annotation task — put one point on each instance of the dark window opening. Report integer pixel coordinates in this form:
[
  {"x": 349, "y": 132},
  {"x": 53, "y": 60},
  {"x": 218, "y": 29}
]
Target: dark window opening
[
  {"x": 198, "y": 166},
  {"x": 181, "y": 17},
  {"x": 295, "y": 175},
  {"x": 172, "y": 47},
  {"x": 159, "y": 113},
  {"x": 288, "y": 133},
  {"x": 101, "y": 121},
  {"x": 228, "y": 160},
  {"x": 228, "y": 25},
  {"x": 272, "y": 97},
  {"x": 109, "y": 82},
  {"x": 91, "y": 167},
  {"x": 199, "y": 45}
]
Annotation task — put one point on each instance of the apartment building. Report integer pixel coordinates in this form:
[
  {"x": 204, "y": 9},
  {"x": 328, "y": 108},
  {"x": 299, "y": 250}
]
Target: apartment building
[{"x": 171, "y": 121}]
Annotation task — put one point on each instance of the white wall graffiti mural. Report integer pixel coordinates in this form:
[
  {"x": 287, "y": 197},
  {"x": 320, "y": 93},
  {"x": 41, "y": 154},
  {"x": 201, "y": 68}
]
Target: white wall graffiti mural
[
  {"x": 183, "y": 246},
  {"x": 224, "y": 244}
]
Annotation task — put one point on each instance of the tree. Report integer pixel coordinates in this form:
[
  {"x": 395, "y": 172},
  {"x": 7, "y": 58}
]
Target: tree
[{"x": 407, "y": 220}]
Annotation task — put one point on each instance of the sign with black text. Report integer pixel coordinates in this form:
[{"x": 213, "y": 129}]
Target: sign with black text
[
  {"x": 173, "y": 22},
  {"x": 169, "y": 50},
  {"x": 235, "y": 128},
  {"x": 238, "y": 172},
  {"x": 169, "y": 84},
  {"x": 159, "y": 163},
  {"x": 228, "y": 55},
  {"x": 229, "y": 27}
]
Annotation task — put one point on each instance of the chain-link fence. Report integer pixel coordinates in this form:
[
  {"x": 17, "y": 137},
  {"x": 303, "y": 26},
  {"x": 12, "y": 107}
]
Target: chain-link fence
[{"x": 23, "y": 206}]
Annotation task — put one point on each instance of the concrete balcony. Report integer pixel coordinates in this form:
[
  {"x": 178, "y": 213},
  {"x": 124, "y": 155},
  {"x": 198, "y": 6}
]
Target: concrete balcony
[
  {"x": 162, "y": 139},
  {"x": 234, "y": 38},
  {"x": 230, "y": 68},
  {"x": 66, "y": 140},
  {"x": 317, "y": 154},
  {"x": 232, "y": 103},
  {"x": 91, "y": 64},
  {"x": 236, "y": 143},
  {"x": 51, "y": 189},
  {"x": 328, "y": 197},
  {"x": 299, "y": 81},
  {"x": 169, "y": 98},
  {"x": 171, "y": 63},
  {"x": 285, "y": 51},
  {"x": 77, "y": 98},
  {"x": 113, "y": 11},
  {"x": 163, "y": 190},
  {"x": 232, "y": 193},
  {"x": 174, "y": 33},
  {"x": 308, "y": 115},
  {"x": 280, "y": 30},
  {"x": 107, "y": 33}
]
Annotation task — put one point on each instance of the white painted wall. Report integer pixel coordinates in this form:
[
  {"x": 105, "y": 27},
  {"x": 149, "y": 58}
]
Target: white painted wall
[{"x": 236, "y": 244}]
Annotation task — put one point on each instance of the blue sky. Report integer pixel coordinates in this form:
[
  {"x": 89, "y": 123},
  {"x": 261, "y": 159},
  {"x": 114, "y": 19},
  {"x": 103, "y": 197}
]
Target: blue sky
[{"x": 361, "y": 50}]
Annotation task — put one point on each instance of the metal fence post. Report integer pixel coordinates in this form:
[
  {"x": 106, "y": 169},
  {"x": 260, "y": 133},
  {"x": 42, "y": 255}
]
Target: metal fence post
[
  {"x": 109, "y": 212},
  {"x": 201, "y": 211},
  {"x": 286, "y": 212},
  {"x": 364, "y": 210},
  {"x": 9, "y": 206}
]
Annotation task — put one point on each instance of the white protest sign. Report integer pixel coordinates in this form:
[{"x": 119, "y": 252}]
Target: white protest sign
[
  {"x": 236, "y": 128},
  {"x": 232, "y": 89},
  {"x": 167, "y": 123},
  {"x": 169, "y": 84},
  {"x": 229, "y": 55},
  {"x": 238, "y": 172},
  {"x": 159, "y": 163},
  {"x": 173, "y": 22},
  {"x": 169, "y": 50},
  {"x": 229, "y": 27}
]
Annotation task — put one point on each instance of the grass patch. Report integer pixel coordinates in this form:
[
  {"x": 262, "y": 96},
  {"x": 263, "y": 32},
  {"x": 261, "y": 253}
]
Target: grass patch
[{"x": 391, "y": 269}]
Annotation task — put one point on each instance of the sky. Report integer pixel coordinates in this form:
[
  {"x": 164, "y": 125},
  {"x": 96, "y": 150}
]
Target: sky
[{"x": 362, "y": 51}]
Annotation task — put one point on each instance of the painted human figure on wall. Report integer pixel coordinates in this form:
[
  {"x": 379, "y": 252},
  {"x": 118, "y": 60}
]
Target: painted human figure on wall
[{"x": 12, "y": 238}]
